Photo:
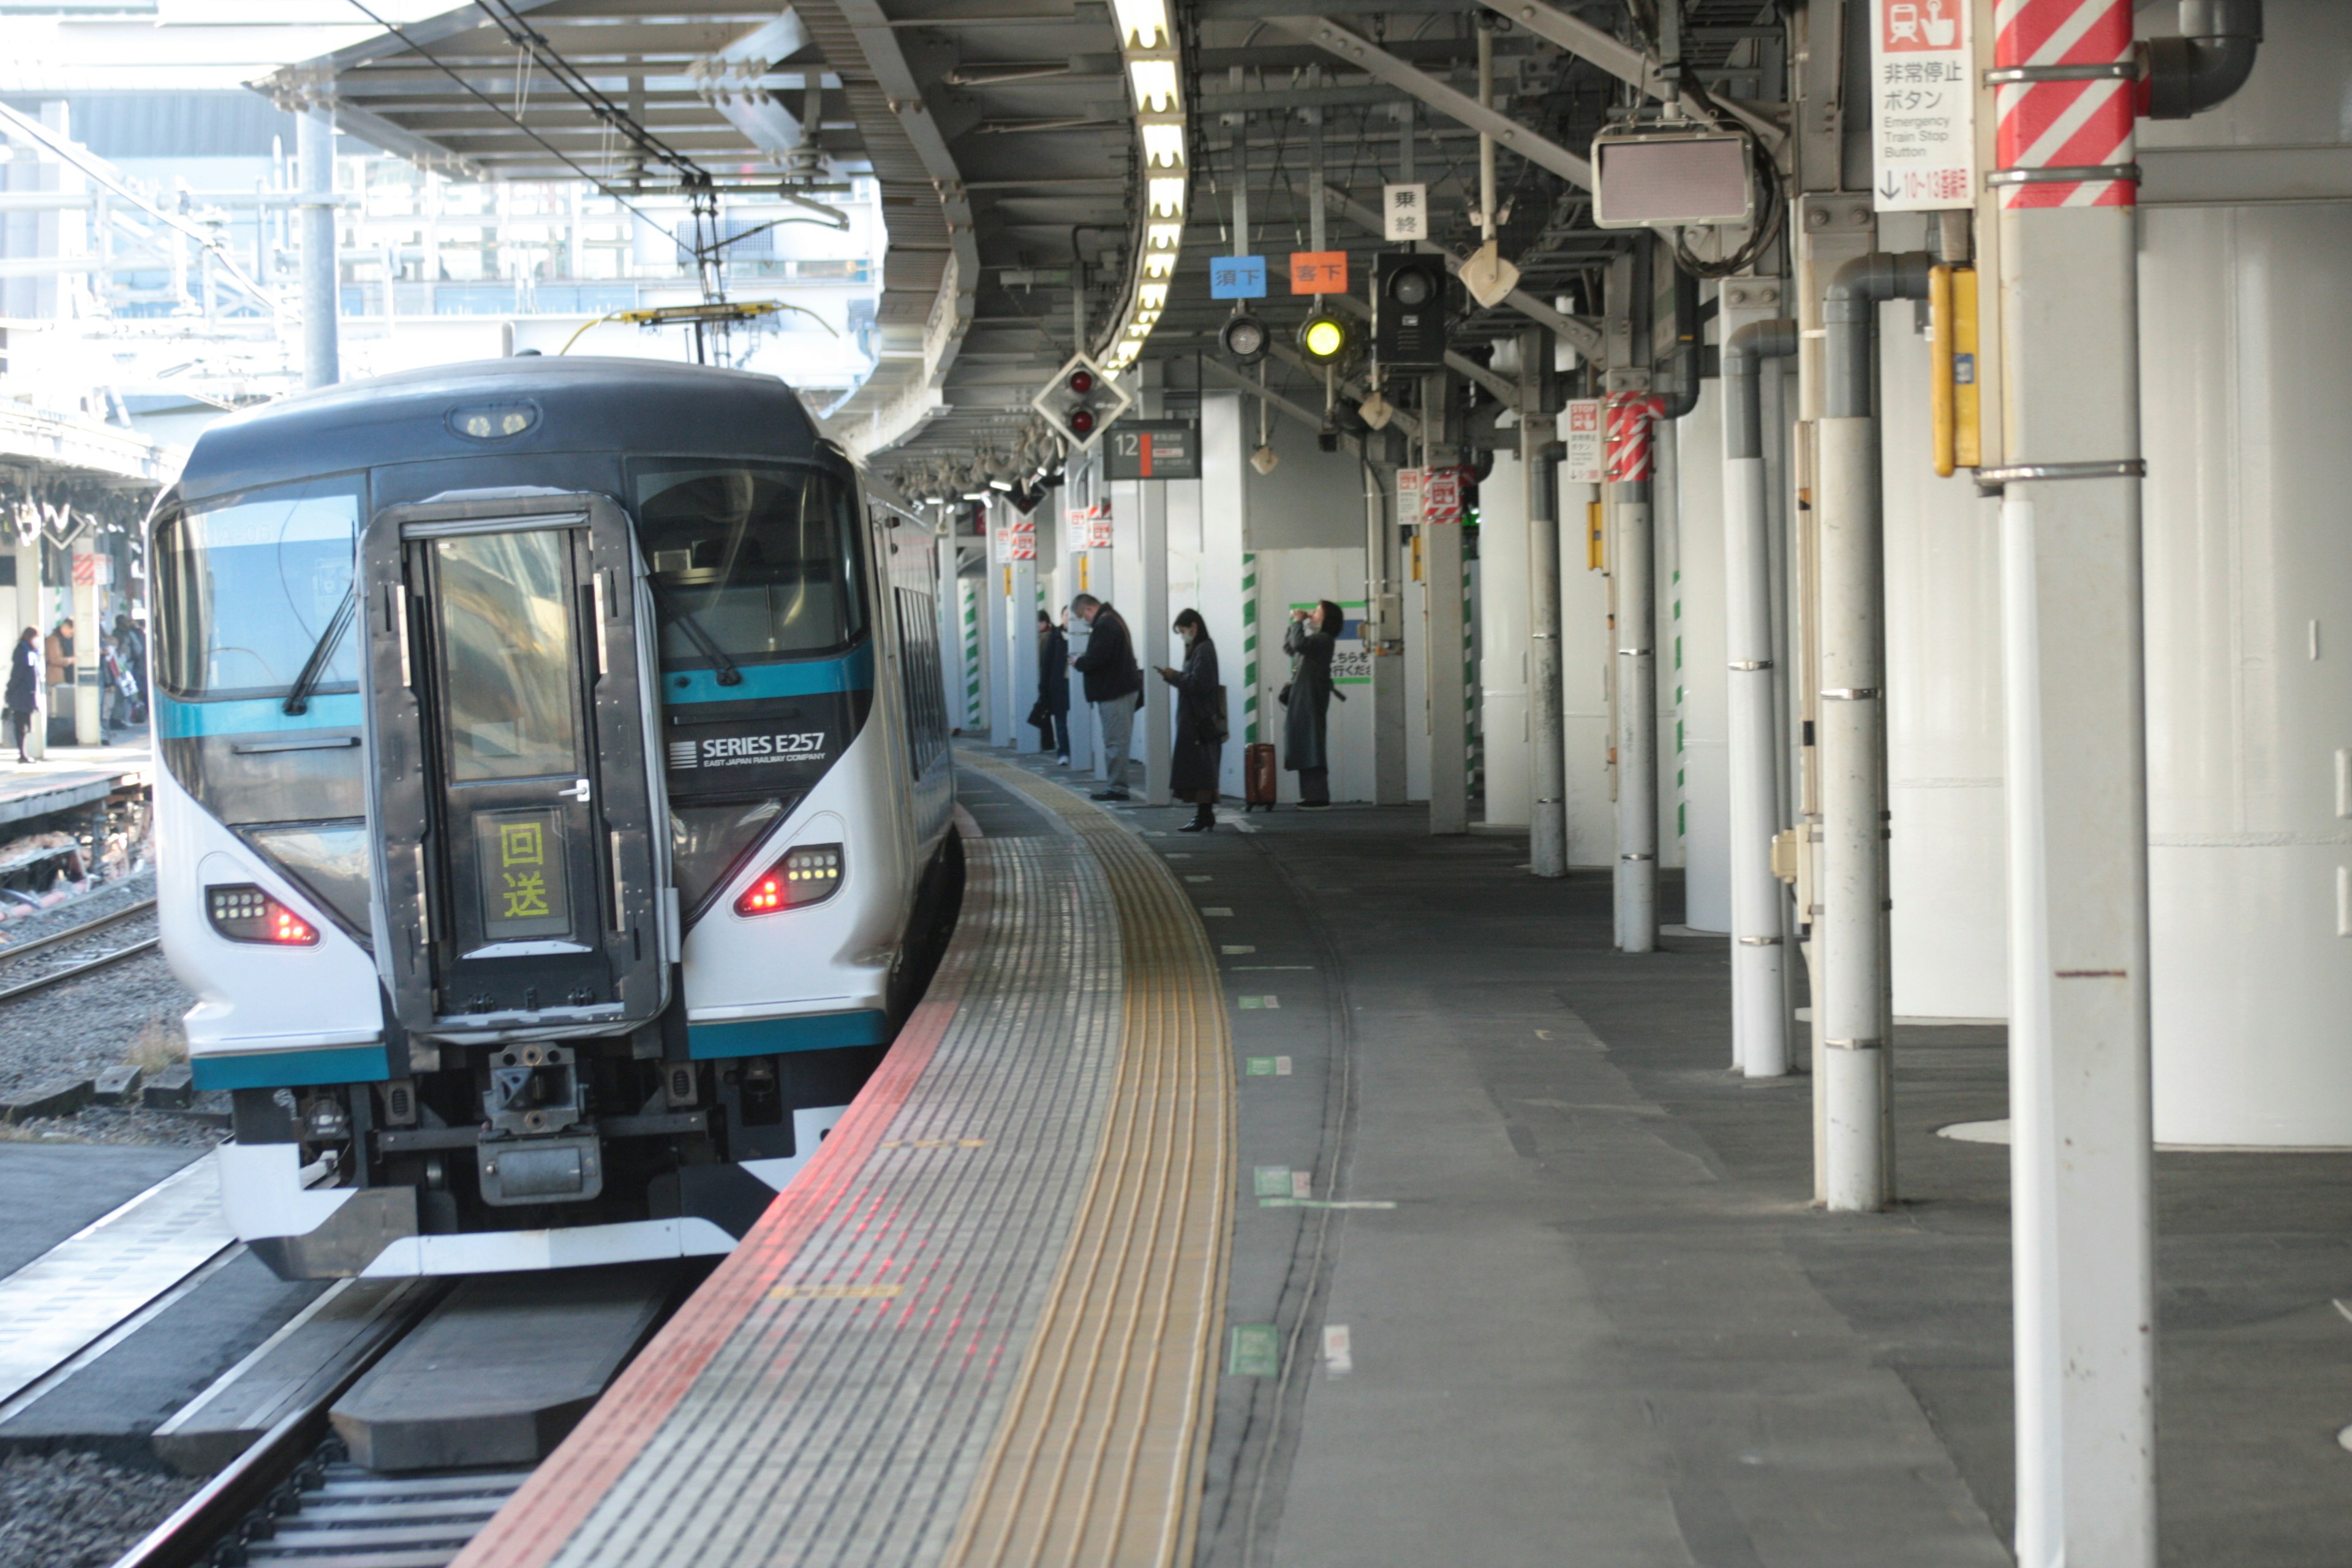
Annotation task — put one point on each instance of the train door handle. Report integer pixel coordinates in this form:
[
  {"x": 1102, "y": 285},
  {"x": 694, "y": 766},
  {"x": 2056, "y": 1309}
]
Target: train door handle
[{"x": 577, "y": 791}]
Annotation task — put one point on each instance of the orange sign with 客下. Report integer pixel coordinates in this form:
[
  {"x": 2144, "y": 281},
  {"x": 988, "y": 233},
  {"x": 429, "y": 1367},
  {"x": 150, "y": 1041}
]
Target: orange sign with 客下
[{"x": 1319, "y": 272}]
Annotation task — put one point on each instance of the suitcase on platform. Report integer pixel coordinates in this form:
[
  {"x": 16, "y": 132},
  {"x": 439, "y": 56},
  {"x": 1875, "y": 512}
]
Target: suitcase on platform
[{"x": 1259, "y": 776}]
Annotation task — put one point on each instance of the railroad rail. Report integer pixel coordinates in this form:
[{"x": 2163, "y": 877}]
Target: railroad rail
[{"x": 75, "y": 971}]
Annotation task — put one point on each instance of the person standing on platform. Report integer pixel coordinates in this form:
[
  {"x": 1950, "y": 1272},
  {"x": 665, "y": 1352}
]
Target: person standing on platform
[
  {"x": 1052, "y": 714},
  {"x": 131, "y": 648},
  {"x": 24, "y": 696},
  {"x": 1114, "y": 685},
  {"x": 1311, "y": 637},
  {"x": 1200, "y": 722},
  {"x": 58, "y": 657}
]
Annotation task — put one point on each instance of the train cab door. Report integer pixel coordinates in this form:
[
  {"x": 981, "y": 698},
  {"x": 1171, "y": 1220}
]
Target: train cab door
[{"x": 516, "y": 783}]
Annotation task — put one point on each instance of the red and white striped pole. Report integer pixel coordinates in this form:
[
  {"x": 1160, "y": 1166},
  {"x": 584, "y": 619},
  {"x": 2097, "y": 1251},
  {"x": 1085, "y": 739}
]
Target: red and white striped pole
[
  {"x": 2081, "y": 1201},
  {"x": 1630, "y": 415}
]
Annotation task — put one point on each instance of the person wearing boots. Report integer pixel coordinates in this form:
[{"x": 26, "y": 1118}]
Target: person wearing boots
[
  {"x": 1200, "y": 722},
  {"x": 1311, "y": 640}
]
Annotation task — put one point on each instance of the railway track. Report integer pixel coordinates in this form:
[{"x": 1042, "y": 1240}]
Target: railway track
[{"x": 57, "y": 948}]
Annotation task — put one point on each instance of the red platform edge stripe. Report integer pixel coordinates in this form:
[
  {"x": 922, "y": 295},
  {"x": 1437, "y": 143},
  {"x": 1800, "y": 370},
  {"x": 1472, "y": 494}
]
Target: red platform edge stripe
[{"x": 550, "y": 1506}]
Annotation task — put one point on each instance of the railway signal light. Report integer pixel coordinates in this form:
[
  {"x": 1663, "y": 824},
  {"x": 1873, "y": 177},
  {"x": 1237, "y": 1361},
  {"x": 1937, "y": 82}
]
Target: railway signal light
[
  {"x": 1245, "y": 337},
  {"x": 1324, "y": 338},
  {"x": 1080, "y": 401},
  {"x": 1408, "y": 299}
]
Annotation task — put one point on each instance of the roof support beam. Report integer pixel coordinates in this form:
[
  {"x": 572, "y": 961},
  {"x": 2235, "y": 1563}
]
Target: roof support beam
[
  {"x": 1622, "y": 60},
  {"x": 1237, "y": 381},
  {"x": 1583, "y": 334},
  {"x": 1362, "y": 53},
  {"x": 1506, "y": 392},
  {"x": 1354, "y": 386}
]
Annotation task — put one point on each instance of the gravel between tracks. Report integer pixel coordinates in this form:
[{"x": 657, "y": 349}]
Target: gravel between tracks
[{"x": 74, "y": 1511}]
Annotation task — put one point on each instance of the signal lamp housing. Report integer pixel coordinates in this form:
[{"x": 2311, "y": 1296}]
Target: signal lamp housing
[
  {"x": 1245, "y": 339},
  {"x": 1080, "y": 401},
  {"x": 809, "y": 874},
  {"x": 242, "y": 913},
  {"x": 1409, "y": 301},
  {"x": 1323, "y": 338}
]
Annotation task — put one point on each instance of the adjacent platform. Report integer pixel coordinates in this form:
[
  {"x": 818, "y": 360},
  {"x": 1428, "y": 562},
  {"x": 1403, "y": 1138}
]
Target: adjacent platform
[
  {"x": 74, "y": 777},
  {"x": 981, "y": 1326}
]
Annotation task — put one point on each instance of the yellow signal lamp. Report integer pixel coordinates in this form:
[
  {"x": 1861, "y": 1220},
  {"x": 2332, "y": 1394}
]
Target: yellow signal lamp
[{"x": 1323, "y": 337}]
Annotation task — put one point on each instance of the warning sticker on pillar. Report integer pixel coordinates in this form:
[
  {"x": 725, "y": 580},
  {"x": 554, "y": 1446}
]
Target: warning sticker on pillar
[
  {"x": 1440, "y": 495},
  {"x": 1580, "y": 433},
  {"x": 1923, "y": 121},
  {"x": 1020, "y": 539},
  {"x": 2065, "y": 143},
  {"x": 1629, "y": 414}
]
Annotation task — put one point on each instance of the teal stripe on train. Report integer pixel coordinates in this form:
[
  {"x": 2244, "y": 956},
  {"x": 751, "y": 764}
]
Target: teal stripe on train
[
  {"x": 176, "y": 720},
  {"x": 853, "y": 671},
  {"x": 771, "y": 1036},
  {"x": 286, "y": 1069}
]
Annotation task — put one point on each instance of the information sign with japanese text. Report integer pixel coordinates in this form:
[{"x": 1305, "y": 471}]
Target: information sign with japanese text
[
  {"x": 1582, "y": 431},
  {"x": 1153, "y": 449},
  {"x": 1237, "y": 278},
  {"x": 1441, "y": 495},
  {"x": 1923, "y": 114},
  {"x": 1404, "y": 211},
  {"x": 1319, "y": 272}
]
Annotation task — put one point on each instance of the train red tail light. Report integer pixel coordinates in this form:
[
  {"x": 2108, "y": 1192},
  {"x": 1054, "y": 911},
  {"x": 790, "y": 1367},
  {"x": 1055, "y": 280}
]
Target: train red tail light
[
  {"x": 242, "y": 913},
  {"x": 808, "y": 874}
]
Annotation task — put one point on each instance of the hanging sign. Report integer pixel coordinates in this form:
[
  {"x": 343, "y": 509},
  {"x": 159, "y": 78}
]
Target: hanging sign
[
  {"x": 1319, "y": 272},
  {"x": 1441, "y": 495},
  {"x": 1582, "y": 431},
  {"x": 1404, "y": 211},
  {"x": 1153, "y": 449},
  {"x": 1923, "y": 120},
  {"x": 1237, "y": 278}
]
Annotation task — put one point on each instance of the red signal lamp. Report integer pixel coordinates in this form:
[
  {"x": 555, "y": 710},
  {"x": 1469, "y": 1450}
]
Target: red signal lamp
[
  {"x": 807, "y": 875},
  {"x": 1081, "y": 420},
  {"x": 1083, "y": 383},
  {"x": 242, "y": 913}
]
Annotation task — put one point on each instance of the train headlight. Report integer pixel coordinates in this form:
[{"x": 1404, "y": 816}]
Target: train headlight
[
  {"x": 808, "y": 874},
  {"x": 242, "y": 913}
]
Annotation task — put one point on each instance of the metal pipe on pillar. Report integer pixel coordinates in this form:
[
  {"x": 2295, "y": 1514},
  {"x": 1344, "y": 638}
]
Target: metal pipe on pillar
[
  {"x": 1759, "y": 1026},
  {"x": 1636, "y": 900},
  {"x": 1548, "y": 820},
  {"x": 1853, "y": 1002},
  {"x": 314, "y": 142}
]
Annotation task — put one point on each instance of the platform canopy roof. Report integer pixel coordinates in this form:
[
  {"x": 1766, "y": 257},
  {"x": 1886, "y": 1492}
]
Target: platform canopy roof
[{"x": 1009, "y": 139}]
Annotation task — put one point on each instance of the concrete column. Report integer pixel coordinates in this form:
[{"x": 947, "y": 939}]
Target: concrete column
[
  {"x": 1631, "y": 565},
  {"x": 315, "y": 146},
  {"x": 1020, "y": 640},
  {"x": 1441, "y": 560},
  {"x": 1224, "y": 510},
  {"x": 1547, "y": 819},
  {"x": 1383, "y": 587},
  {"x": 996, "y": 600},
  {"x": 1152, "y": 636},
  {"x": 2079, "y": 1100}
]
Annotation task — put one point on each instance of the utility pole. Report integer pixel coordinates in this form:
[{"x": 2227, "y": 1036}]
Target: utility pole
[{"x": 314, "y": 144}]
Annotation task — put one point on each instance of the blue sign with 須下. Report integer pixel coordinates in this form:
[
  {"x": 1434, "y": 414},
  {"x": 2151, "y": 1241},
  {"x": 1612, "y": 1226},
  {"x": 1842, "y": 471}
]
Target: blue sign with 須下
[{"x": 1237, "y": 278}]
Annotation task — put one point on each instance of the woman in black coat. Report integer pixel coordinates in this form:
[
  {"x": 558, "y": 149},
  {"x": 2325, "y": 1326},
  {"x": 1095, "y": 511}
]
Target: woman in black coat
[
  {"x": 1052, "y": 713},
  {"x": 1310, "y": 642},
  {"x": 23, "y": 687},
  {"x": 1200, "y": 722}
]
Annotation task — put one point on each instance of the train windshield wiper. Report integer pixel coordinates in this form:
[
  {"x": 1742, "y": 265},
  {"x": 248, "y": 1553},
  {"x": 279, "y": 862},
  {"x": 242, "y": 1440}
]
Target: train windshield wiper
[
  {"x": 684, "y": 620},
  {"x": 314, "y": 669}
]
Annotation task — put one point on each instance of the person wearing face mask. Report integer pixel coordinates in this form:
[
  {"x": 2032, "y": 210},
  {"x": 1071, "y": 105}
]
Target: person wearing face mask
[
  {"x": 1311, "y": 639},
  {"x": 1200, "y": 722}
]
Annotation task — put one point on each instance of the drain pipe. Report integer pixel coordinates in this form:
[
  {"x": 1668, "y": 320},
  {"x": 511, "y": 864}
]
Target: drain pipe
[
  {"x": 2209, "y": 62},
  {"x": 1856, "y": 1016},
  {"x": 1759, "y": 1024}
]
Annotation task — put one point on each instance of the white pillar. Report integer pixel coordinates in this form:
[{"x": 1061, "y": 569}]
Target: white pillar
[
  {"x": 1632, "y": 566},
  {"x": 1441, "y": 560},
  {"x": 1548, "y": 818},
  {"x": 2079, "y": 1159},
  {"x": 996, "y": 602},
  {"x": 315, "y": 145},
  {"x": 1021, "y": 638},
  {"x": 1852, "y": 735},
  {"x": 1153, "y": 636},
  {"x": 1224, "y": 508}
]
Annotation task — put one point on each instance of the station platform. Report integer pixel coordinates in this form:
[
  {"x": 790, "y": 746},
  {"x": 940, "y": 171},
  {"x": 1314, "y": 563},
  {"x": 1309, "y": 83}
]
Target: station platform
[
  {"x": 70, "y": 777},
  {"x": 1316, "y": 1191}
]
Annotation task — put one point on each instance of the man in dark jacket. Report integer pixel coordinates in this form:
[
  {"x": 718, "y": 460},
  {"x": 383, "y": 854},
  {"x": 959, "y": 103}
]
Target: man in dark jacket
[
  {"x": 1053, "y": 710},
  {"x": 1114, "y": 685}
]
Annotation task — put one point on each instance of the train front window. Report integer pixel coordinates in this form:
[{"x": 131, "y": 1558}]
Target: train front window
[
  {"x": 752, "y": 562},
  {"x": 248, "y": 586}
]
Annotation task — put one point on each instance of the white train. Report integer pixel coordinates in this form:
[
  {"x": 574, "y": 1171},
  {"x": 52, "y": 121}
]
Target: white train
[{"x": 554, "y": 812}]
